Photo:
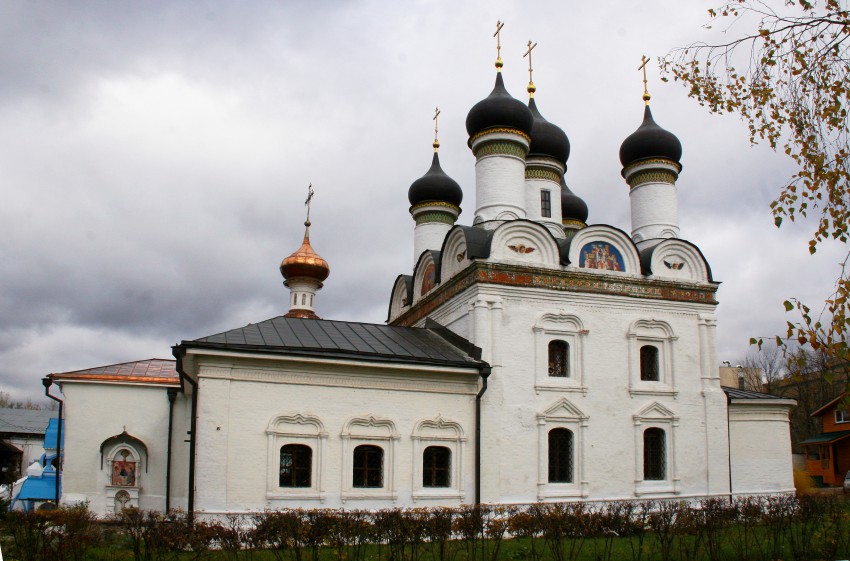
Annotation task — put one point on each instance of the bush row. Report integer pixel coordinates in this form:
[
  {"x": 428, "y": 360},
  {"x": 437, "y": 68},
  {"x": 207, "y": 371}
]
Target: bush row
[{"x": 758, "y": 528}]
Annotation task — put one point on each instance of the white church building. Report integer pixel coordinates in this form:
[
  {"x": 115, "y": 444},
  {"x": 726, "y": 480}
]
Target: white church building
[{"x": 528, "y": 357}]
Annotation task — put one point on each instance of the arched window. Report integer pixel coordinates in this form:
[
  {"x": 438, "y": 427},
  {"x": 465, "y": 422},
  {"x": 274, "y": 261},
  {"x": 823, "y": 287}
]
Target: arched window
[
  {"x": 559, "y": 364},
  {"x": 124, "y": 469},
  {"x": 436, "y": 463},
  {"x": 654, "y": 454},
  {"x": 296, "y": 465},
  {"x": 368, "y": 466},
  {"x": 649, "y": 363},
  {"x": 560, "y": 456}
]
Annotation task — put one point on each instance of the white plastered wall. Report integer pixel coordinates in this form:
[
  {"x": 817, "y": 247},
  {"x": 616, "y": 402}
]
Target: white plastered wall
[{"x": 759, "y": 433}]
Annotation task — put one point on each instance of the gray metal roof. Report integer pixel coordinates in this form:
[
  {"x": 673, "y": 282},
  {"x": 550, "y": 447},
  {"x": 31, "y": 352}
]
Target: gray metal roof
[
  {"x": 343, "y": 339},
  {"x": 735, "y": 393},
  {"x": 24, "y": 421}
]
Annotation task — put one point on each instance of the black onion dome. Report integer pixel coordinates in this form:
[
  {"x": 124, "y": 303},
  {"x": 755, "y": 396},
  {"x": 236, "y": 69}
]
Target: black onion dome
[
  {"x": 650, "y": 141},
  {"x": 547, "y": 139},
  {"x": 498, "y": 109},
  {"x": 572, "y": 206},
  {"x": 434, "y": 186}
]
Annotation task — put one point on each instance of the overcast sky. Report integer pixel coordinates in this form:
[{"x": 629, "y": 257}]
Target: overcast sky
[{"x": 154, "y": 159}]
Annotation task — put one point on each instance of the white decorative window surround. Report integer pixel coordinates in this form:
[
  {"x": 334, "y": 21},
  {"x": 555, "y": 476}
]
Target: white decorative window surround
[
  {"x": 559, "y": 327},
  {"x": 124, "y": 465},
  {"x": 657, "y": 334},
  {"x": 445, "y": 433},
  {"x": 297, "y": 428},
  {"x": 655, "y": 415},
  {"x": 375, "y": 431},
  {"x": 561, "y": 414}
]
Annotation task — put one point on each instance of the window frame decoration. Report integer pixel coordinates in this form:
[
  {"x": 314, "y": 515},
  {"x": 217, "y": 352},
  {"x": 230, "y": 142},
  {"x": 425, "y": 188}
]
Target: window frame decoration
[
  {"x": 300, "y": 429},
  {"x": 375, "y": 431},
  {"x": 445, "y": 433},
  {"x": 842, "y": 415},
  {"x": 655, "y": 415},
  {"x": 658, "y": 334},
  {"x": 562, "y": 414},
  {"x": 569, "y": 329}
]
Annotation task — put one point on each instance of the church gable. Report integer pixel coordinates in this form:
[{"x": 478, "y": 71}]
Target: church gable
[
  {"x": 603, "y": 249},
  {"x": 426, "y": 275},
  {"x": 676, "y": 260},
  {"x": 525, "y": 242},
  {"x": 402, "y": 296}
]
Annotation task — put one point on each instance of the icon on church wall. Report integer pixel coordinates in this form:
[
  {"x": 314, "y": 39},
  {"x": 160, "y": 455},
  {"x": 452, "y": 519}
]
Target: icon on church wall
[
  {"x": 601, "y": 255},
  {"x": 123, "y": 470},
  {"x": 429, "y": 279}
]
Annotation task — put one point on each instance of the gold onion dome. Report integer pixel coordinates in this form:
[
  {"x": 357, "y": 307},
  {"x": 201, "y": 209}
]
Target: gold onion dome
[{"x": 305, "y": 262}]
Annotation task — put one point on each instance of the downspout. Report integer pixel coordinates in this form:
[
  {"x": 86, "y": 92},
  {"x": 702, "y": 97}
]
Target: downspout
[
  {"x": 729, "y": 445},
  {"x": 485, "y": 373},
  {"x": 172, "y": 395},
  {"x": 178, "y": 352},
  {"x": 46, "y": 382}
]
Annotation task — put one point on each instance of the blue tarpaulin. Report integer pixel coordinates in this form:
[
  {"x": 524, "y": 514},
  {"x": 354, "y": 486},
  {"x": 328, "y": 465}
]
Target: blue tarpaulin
[
  {"x": 52, "y": 433},
  {"x": 39, "y": 488}
]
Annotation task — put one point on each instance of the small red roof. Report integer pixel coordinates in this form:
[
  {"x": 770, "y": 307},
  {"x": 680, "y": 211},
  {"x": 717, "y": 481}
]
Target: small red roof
[{"x": 151, "y": 371}]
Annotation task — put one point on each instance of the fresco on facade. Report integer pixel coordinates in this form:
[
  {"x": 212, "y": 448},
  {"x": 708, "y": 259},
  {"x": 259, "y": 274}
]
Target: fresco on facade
[
  {"x": 429, "y": 279},
  {"x": 601, "y": 255}
]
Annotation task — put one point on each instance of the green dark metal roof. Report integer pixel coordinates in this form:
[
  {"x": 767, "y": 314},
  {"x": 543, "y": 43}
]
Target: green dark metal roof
[
  {"x": 827, "y": 437},
  {"x": 342, "y": 339}
]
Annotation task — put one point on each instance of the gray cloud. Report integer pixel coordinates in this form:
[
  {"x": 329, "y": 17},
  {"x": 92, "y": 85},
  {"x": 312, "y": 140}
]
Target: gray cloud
[{"x": 154, "y": 159}]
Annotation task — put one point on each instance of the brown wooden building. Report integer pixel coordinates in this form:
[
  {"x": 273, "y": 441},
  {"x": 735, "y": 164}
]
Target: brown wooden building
[{"x": 828, "y": 454}]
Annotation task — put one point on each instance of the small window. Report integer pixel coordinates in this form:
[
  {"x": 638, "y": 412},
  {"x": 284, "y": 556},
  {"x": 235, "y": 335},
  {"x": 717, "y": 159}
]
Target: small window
[
  {"x": 368, "y": 466},
  {"x": 560, "y": 456},
  {"x": 545, "y": 204},
  {"x": 436, "y": 462},
  {"x": 654, "y": 454},
  {"x": 559, "y": 364},
  {"x": 842, "y": 416},
  {"x": 124, "y": 469},
  {"x": 296, "y": 464},
  {"x": 649, "y": 363}
]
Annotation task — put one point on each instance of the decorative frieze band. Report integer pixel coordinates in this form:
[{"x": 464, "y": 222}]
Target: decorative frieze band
[
  {"x": 436, "y": 216},
  {"x": 652, "y": 176},
  {"x": 500, "y": 148},
  {"x": 547, "y": 174},
  {"x": 568, "y": 281}
]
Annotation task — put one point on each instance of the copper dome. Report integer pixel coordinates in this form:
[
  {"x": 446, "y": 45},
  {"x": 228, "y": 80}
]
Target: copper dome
[{"x": 305, "y": 262}]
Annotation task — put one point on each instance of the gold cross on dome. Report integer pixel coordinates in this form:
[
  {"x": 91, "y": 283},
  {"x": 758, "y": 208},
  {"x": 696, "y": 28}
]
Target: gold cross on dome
[
  {"x": 436, "y": 129},
  {"x": 642, "y": 66},
  {"x": 531, "y": 88},
  {"x": 310, "y": 194},
  {"x": 498, "y": 36}
]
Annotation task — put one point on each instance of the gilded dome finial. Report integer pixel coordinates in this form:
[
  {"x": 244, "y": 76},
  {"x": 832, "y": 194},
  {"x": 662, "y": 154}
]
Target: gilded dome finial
[
  {"x": 642, "y": 66},
  {"x": 531, "y": 88},
  {"x": 498, "y": 36},
  {"x": 310, "y": 193},
  {"x": 436, "y": 144}
]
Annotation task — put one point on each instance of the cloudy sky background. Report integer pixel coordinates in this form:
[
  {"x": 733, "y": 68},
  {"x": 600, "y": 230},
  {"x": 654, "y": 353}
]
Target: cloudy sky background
[{"x": 154, "y": 159}]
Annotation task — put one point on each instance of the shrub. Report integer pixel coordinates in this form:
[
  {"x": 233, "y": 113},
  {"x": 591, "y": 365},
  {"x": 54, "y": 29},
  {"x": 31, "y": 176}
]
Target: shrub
[{"x": 803, "y": 482}]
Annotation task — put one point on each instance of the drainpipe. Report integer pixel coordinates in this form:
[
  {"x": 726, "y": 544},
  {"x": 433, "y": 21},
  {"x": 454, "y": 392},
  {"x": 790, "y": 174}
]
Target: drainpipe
[
  {"x": 179, "y": 351},
  {"x": 47, "y": 382},
  {"x": 729, "y": 445},
  {"x": 485, "y": 373},
  {"x": 172, "y": 395}
]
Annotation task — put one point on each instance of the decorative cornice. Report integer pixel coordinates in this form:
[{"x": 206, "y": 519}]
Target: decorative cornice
[
  {"x": 652, "y": 176},
  {"x": 567, "y": 281},
  {"x": 431, "y": 205},
  {"x": 573, "y": 224},
  {"x": 498, "y": 130},
  {"x": 500, "y": 147},
  {"x": 545, "y": 173}
]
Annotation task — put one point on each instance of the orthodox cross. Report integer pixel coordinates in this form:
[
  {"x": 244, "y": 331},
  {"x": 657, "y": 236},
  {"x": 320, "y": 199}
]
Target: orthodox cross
[
  {"x": 498, "y": 36},
  {"x": 531, "y": 88},
  {"x": 307, "y": 202},
  {"x": 436, "y": 129},
  {"x": 642, "y": 66}
]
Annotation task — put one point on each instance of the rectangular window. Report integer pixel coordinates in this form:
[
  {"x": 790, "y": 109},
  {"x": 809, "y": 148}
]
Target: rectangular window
[
  {"x": 545, "y": 204},
  {"x": 842, "y": 416}
]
